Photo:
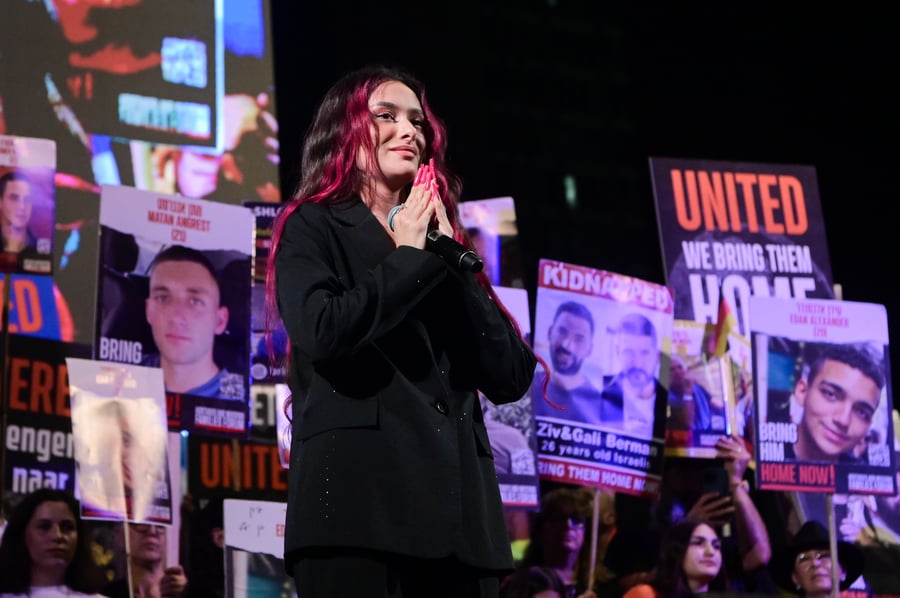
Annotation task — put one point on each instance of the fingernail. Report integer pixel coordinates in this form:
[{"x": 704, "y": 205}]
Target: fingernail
[{"x": 418, "y": 178}]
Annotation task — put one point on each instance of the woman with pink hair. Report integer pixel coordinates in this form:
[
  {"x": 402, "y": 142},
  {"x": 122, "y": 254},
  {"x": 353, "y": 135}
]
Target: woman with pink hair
[{"x": 392, "y": 488}]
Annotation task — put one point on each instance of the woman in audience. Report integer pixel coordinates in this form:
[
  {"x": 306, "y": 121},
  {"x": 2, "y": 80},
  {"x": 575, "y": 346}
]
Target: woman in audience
[
  {"x": 44, "y": 550},
  {"x": 555, "y": 564},
  {"x": 690, "y": 562}
]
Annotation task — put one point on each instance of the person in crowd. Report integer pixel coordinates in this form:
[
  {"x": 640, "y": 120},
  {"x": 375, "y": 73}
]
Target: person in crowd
[
  {"x": 44, "y": 552},
  {"x": 838, "y": 397},
  {"x": 556, "y": 559},
  {"x": 690, "y": 562},
  {"x": 635, "y": 389},
  {"x": 185, "y": 313},
  {"x": 715, "y": 491},
  {"x": 15, "y": 213},
  {"x": 149, "y": 575},
  {"x": 571, "y": 395},
  {"x": 392, "y": 487},
  {"x": 804, "y": 566}
]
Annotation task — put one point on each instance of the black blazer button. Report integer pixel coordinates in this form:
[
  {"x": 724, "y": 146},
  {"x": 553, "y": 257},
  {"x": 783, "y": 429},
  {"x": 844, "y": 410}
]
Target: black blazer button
[{"x": 441, "y": 406}]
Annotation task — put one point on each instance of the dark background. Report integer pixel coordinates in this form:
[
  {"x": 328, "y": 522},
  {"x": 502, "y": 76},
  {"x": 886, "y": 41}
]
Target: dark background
[{"x": 532, "y": 91}]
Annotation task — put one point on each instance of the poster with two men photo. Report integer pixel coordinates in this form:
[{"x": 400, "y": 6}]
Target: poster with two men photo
[{"x": 600, "y": 410}]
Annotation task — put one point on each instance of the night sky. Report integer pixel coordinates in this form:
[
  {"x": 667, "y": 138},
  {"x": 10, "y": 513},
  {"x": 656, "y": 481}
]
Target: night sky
[{"x": 534, "y": 91}]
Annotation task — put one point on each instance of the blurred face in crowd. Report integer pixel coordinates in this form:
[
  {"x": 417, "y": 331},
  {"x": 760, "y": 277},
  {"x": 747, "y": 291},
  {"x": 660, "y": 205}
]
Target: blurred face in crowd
[
  {"x": 563, "y": 531},
  {"x": 838, "y": 406},
  {"x": 571, "y": 340},
  {"x": 147, "y": 542},
  {"x": 812, "y": 571},
  {"x": 51, "y": 538},
  {"x": 703, "y": 557}
]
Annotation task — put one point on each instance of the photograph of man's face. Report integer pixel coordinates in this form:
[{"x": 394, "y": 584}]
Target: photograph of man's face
[
  {"x": 16, "y": 204},
  {"x": 638, "y": 355},
  {"x": 838, "y": 401},
  {"x": 15, "y": 211},
  {"x": 184, "y": 312},
  {"x": 571, "y": 341}
]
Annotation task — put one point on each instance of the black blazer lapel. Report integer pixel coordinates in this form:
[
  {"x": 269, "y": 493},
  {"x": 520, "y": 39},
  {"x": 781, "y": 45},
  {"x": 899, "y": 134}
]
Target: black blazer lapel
[{"x": 361, "y": 232}]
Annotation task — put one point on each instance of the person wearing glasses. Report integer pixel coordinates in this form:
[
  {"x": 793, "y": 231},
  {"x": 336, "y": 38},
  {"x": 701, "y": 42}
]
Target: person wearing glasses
[
  {"x": 556, "y": 562},
  {"x": 804, "y": 566}
]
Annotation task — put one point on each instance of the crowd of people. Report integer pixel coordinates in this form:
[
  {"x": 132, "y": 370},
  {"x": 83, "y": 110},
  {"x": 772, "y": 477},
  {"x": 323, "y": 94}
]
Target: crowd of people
[
  {"x": 577, "y": 548},
  {"x": 49, "y": 549}
]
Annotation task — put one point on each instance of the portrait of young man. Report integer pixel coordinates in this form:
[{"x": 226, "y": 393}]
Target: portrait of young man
[
  {"x": 185, "y": 312},
  {"x": 838, "y": 397},
  {"x": 15, "y": 213}
]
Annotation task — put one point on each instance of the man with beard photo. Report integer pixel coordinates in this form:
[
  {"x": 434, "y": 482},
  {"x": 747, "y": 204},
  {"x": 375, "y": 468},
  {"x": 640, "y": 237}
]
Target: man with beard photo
[
  {"x": 635, "y": 391},
  {"x": 571, "y": 341}
]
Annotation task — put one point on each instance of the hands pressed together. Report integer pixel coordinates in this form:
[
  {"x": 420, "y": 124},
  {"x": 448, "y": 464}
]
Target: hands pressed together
[{"x": 422, "y": 208}]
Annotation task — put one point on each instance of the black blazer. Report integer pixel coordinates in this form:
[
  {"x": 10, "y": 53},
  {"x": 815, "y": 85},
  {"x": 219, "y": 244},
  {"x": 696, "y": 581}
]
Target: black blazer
[{"x": 388, "y": 346}]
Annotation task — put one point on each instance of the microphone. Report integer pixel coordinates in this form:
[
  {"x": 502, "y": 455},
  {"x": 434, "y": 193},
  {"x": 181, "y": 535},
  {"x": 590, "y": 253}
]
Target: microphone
[
  {"x": 452, "y": 252},
  {"x": 446, "y": 248}
]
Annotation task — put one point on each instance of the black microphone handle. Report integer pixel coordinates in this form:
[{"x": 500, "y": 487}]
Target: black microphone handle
[{"x": 453, "y": 253}]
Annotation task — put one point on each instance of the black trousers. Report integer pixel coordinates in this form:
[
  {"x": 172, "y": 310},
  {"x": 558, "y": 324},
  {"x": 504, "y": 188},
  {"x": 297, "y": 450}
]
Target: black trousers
[{"x": 358, "y": 573}]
